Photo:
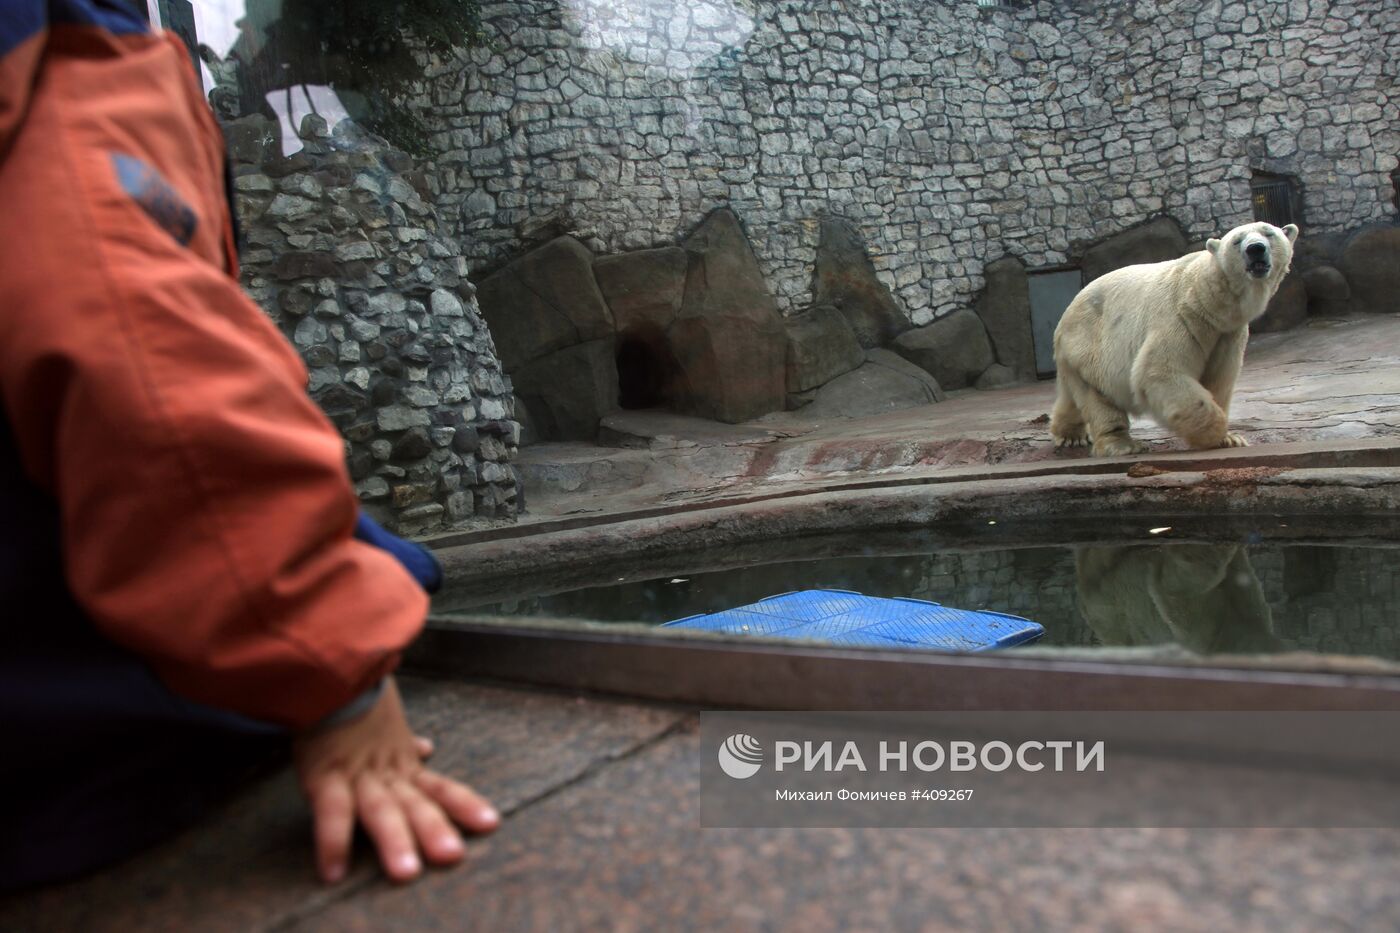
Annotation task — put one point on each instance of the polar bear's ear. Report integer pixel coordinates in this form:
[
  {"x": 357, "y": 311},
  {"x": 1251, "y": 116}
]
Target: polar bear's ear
[
  {"x": 1291, "y": 231},
  {"x": 1213, "y": 245}
]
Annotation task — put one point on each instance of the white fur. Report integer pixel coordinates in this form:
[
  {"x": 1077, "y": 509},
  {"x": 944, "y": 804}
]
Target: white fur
[{"x": 1164, "y": 339}]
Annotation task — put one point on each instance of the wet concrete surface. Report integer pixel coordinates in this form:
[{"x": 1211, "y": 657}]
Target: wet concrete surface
[
  {"x": 602, "y": 833},
  {"x": 1333, "y": 380}
]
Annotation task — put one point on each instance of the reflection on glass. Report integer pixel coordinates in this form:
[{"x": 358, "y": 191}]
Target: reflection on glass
[
  {"x": 285, "y": 59},
  {"x": 1205, "y": 597}
]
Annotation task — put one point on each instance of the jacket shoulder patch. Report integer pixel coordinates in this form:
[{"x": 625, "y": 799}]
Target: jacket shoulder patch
[{"x": 155, "y": 196}]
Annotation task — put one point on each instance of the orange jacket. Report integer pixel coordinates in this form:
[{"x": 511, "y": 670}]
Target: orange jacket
[{"x": 206, "y": 511}]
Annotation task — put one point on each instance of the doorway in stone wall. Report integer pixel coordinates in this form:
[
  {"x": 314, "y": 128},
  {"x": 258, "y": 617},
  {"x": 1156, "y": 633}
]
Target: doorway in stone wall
[
  {"x": 1051, "y": 292},
  {"x": 648, "y": 375}
]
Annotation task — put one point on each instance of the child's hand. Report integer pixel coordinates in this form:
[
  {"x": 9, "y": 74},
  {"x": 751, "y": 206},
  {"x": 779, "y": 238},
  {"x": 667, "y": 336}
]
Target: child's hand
[{"x": 370, "y": 770}]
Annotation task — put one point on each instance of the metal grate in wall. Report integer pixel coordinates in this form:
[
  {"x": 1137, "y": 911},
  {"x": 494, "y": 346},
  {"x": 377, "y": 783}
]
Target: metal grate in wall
[{"x": 1275, "y": 199}]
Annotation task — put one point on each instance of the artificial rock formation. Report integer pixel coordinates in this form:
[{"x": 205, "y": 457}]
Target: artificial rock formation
[
  {"x": 846, "y": 280},
  {"x": 355, "y": 266},
  {"x": 1005, "y": 309},
  {"x": 1157, "y": 240},
  {"x": 1370, "y": 262},
  {"x": 955, "y": 349},
  {"x": 691, "y": 328},
  {"x": 821, "y": 346},
  {"x": 728, "y": 338}
]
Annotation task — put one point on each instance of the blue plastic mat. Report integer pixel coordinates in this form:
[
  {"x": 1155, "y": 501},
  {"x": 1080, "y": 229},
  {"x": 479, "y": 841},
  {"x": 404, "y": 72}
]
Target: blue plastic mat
[{"x": 841, "y": 618}]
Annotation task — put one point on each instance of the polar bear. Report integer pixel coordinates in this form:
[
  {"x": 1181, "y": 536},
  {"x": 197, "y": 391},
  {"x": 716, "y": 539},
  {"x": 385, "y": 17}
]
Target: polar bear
[
  {"x": 1205, "y": 597},
  {"x": 1165, "y": 339}
]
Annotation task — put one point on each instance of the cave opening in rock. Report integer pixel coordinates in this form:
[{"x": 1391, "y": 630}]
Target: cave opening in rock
[{"x": 646, "y": 370}]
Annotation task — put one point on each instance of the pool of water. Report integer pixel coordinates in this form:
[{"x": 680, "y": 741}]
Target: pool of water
[{"x": 1208, "y": 596}]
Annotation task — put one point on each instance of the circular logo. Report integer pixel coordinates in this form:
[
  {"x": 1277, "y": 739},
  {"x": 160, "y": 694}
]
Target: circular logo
[{"x": 740, "y": 756}]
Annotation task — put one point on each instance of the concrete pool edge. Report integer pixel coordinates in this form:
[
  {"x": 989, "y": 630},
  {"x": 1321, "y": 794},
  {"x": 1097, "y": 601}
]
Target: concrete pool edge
[
  {"x": 1232, "y": 491},
  {"x": 1364, "y": 454},
  {"x": 723, "y": 674}
]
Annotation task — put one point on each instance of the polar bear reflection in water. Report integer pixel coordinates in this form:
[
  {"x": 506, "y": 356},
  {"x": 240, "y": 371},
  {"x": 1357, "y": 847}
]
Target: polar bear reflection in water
[{"x": 1205, "y": 597}]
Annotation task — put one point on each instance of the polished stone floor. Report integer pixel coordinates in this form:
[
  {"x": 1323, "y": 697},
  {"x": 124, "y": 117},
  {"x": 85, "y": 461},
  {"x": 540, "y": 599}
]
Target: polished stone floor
[{"x": 602, "y": 833}]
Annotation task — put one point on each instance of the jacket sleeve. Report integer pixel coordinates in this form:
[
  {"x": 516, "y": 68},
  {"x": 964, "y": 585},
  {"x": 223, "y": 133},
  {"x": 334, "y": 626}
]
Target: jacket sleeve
[{"x": 207, "y": 513}]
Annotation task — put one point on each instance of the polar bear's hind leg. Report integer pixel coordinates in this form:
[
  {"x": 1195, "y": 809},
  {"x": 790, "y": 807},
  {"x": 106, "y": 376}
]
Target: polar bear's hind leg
[
  {"x": 1107, "y": 424},
  {"x": 1067, "y": 426}
]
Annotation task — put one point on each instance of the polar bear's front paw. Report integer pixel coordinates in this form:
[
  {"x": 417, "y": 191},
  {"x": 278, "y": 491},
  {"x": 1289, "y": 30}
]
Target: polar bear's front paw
[
  {"x": 1233, "y": 440},
  {"x": 1118, "y": 445},
  {"x": 1072, "y": 439}
]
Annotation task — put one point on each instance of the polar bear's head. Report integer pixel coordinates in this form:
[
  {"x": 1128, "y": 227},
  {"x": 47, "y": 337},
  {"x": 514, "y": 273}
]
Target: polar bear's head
[{"x": 1257, "y": 251}]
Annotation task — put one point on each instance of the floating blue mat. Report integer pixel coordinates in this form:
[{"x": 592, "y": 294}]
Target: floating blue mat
[{"x": 841, "y": 618}]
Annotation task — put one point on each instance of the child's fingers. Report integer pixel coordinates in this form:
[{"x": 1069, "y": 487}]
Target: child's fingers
[
  {"x": 424, "y": 745},
  {"x": 383, "y": 818},
  {"x": 463, "y": 804},
  {"x": 333, "y": 818},
  {"x": 436, "y": 835}
]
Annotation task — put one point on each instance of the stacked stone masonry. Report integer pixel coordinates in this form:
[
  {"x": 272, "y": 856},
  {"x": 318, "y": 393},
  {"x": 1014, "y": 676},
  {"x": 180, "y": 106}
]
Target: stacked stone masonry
[
  {"x": 358, "y": 270},
  {"x": 950, "y": 135}
]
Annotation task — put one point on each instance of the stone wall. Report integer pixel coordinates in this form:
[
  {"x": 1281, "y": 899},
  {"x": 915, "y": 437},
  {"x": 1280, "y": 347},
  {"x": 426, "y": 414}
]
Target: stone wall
[
  {"x": 948, "y": 134},
  {"x": 362, "y": 275}
]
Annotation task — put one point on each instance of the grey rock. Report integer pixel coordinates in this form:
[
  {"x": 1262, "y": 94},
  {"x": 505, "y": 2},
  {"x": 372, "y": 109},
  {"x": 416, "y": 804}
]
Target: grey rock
[
  {"x": 846, "y": 279},
  {"x": 290, "y": 206},
  {"x": 995, "y": 377},
  {"x": 872, "y": 389},
  {"x": 1005, "y": 309},
  {"x": 1370, "y": 261},
  {"x": 955, "y": 349},
  {"x": 373, "y": 488},
  {"x": 413, "y": 444},
  {"x": 309, "y": 332},
  {"x": 643, "y": 289},
  {"x": 252, "y": 183},
  {"x": 544, "y": 301},
  {"x": 820, "y": 347},
  {"x": 398, "y": 418},
  {"x": 567, "y": 392},
  {"x": 1155, "y": 241},
  {"x": 446, "y": 304},
  {"x": 891, "y": 360},
  {"x": 356, "y": 250}
]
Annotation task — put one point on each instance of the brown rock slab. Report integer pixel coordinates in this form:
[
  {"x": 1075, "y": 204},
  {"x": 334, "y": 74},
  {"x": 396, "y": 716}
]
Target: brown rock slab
[
  {"x": 733, "y": 369},
  {"x": 570, "y": 390},
  {"x": 544, "y": 301},
  {"x": 643, "y": 288},
  {"x": 1155, "y": 241},
  {"x": 1370, "y": 261},
  {"x": 820, "y": 347},
  {"x": 728, "y": 341},
  {"x": 1005, "y": 309},
  {"x": 955, "y": 349},
  {"x": 1287, "y": 309},
  {"x": 1328, "y": 291},
  {"x": 846, "y": 280}
]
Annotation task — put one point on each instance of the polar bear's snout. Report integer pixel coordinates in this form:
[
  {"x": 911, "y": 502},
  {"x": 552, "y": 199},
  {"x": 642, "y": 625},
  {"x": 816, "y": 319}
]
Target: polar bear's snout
[{"x": 1257, "y": 261}]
